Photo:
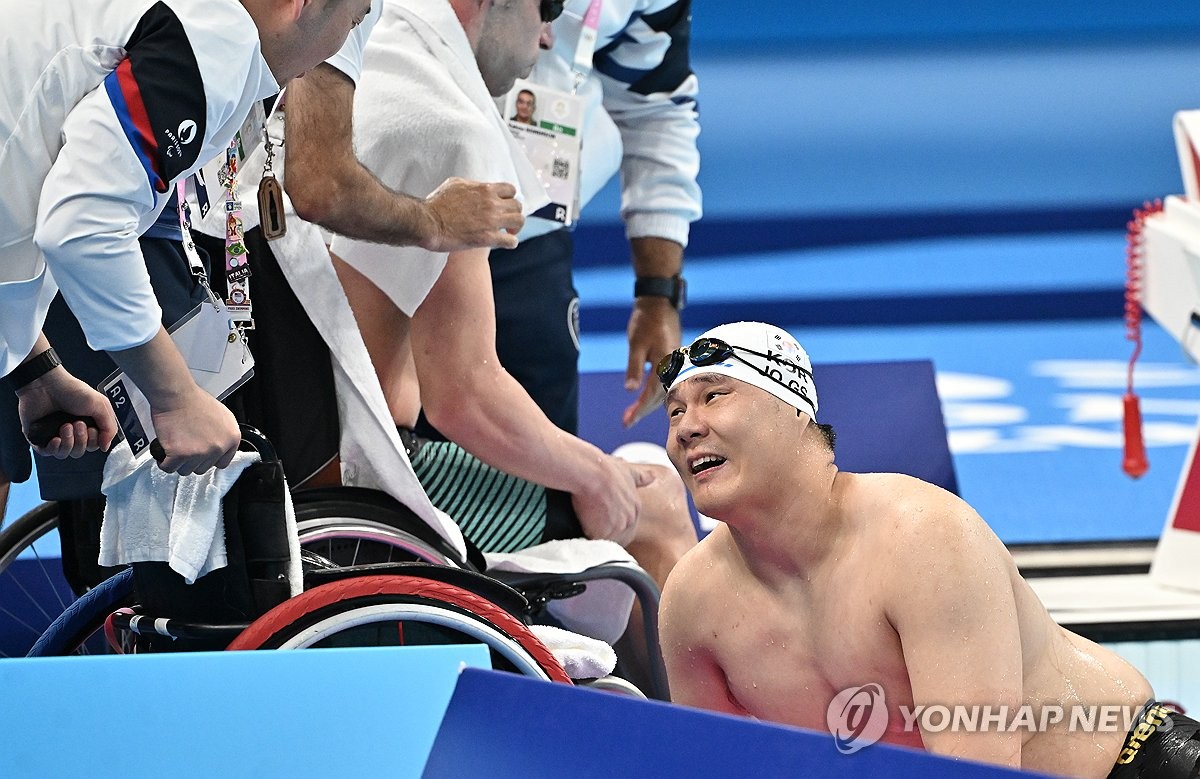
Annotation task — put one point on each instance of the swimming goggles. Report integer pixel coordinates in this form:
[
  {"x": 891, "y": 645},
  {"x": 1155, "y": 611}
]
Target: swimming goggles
[{"x": 710, "y": 351}]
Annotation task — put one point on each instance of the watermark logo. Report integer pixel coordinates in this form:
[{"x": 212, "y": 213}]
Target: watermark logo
[{"x": 857, "y": 717}]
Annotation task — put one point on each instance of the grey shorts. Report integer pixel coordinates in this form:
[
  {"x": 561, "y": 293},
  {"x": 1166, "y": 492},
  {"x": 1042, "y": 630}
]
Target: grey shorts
[{"x": 496, "y": 511}]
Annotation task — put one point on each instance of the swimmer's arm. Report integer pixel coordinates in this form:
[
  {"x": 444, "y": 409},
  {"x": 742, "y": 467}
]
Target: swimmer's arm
[
  {"x": 695, "y": 679},
  {"x": 957, "y": 624},
  {"x": 693, "y": 674},
  {"x": 329, "y": 186}
]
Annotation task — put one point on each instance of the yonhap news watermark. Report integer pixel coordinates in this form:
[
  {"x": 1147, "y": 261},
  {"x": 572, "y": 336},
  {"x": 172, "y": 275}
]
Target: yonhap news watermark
[{"x": 859, "y": 716}]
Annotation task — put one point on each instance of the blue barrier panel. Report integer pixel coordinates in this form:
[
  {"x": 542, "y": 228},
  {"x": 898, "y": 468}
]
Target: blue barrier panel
[
  {"x": 318, "y": 713},
  {"x": 501, "y": 726}
]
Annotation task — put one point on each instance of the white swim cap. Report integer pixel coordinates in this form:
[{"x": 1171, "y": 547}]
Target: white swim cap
[{"x": 764, "y": 356}]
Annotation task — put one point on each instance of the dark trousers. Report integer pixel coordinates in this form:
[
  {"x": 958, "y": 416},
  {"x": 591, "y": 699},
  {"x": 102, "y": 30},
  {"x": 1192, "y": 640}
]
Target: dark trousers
[{"x": 291, "y": 398}]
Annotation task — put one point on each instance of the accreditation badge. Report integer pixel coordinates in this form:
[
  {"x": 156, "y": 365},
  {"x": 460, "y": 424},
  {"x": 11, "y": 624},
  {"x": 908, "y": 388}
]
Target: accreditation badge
[{"x": 547, "y": 124}]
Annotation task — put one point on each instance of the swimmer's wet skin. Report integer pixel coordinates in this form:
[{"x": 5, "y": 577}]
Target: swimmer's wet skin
[{"x": 810, "y": 569}]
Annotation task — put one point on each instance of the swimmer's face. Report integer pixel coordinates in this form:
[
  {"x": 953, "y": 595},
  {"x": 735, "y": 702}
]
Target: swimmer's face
[{"x": 727, "y": 439}]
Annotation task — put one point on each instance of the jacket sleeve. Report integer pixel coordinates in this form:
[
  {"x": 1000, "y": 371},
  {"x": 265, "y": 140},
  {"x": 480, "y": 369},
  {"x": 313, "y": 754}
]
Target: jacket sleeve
[
  {"x": 650, "y": 92},
  {"x": 124, "y": 144}
]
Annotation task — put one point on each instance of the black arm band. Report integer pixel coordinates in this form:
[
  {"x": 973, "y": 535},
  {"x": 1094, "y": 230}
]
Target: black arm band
[{"x": 33, "y": 369}]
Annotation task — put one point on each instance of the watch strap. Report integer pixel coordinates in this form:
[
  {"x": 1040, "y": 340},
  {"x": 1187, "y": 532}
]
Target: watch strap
[
  {"x": 32, "y": 370},
  {"x": 673, "y": 288}
]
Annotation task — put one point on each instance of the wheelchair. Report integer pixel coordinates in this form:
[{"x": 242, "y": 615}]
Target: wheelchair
[{"x": 374, "y": 574}]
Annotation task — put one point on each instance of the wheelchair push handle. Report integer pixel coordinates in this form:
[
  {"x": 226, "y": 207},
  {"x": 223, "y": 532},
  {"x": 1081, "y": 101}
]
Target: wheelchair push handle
[
  {"x": 42, "y": 430},
  {"x": 251, "y": 436}
]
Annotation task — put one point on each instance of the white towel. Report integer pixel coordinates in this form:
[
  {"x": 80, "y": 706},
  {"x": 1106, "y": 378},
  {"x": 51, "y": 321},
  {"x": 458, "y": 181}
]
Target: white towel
[
  {"x": 371, "y": 452},
  {"x": 295, "y": 572},
  {"x": 156, "y": 516},
  {"x": 581, "y": 657},
  {"x": 602, "y": 610}
]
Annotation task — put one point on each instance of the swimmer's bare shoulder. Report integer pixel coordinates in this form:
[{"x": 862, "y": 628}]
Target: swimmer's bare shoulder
[
  {"x": 897, "y": 497},
  {"x": 934, "y": 530},
  {"x": 695, "y": 677},
  {"x": 943, "y": 582},
  {"x": 911, "y": 520}
]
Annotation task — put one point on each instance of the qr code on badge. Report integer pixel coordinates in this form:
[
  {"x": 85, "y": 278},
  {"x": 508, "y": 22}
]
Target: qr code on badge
[{"x": 561, "y": 168}]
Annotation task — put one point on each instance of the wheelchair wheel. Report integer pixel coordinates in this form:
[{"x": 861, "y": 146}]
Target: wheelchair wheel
[
  {"x": 23, "y": 532},
  {"x": 351, "y": 526},
  {"x": 32, "y": 588},
  {"x": 348, "y": 541},
  {"x": 34, "y": 594},
  {"x": 400, "y": 610},
  {"x": 70, "y": 632}
]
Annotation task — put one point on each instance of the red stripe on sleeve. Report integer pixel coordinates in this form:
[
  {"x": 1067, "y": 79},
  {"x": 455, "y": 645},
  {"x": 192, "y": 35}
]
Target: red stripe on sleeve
[{"x": 139, "y": 116}]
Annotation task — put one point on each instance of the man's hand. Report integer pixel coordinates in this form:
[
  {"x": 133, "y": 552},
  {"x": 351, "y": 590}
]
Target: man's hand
[
  {"x": 196, "y": 434},
  {"x": 471, "y": 215},
  {"x": 653, "y": 331},
  {"x": 194, "y": 429},
  {"x": 58, "y": 390},
  {"x": 610, "y": 508}
]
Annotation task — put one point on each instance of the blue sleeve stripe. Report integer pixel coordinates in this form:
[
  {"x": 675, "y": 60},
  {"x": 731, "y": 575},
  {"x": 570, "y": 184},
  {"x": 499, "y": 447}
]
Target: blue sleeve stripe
[{"x": 137, "y": 139}]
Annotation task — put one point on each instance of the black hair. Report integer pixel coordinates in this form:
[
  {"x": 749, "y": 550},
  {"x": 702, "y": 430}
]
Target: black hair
[{"x": 829, "y": 433}]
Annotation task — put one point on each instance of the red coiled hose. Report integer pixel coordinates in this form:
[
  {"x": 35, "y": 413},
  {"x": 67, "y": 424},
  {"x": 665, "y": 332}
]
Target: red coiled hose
[{"x": 1135, "y": 463}]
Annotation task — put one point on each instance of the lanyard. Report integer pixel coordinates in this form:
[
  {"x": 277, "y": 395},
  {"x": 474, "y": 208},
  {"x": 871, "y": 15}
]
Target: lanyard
[
  {"x": 585, "y": 51},
  {"x": 237, "y": 257},
  {"x": 185, "y": 225}
]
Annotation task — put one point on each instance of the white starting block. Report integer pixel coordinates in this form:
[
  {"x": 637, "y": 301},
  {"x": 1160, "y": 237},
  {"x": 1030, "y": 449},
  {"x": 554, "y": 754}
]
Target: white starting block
[{"x": 1170, "y": 293}]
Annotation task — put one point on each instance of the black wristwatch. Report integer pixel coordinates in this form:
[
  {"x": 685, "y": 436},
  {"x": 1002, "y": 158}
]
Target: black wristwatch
[
  {"x": 34, "y": 369},
  {"x": 673, "y": 289}
]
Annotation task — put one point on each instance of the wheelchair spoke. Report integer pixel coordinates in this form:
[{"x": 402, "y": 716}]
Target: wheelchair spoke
[
  {"x": 29, "y": 596},
  {"x": 21, "y": 549},
  {"x": 49, "y": 581},
  {"x": 35, "y": 631}
]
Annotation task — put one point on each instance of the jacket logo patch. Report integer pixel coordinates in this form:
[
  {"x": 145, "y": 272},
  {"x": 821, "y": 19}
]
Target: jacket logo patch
[
  {"x": 187, "y": 131},
  {"x": 182, "y": 136}
]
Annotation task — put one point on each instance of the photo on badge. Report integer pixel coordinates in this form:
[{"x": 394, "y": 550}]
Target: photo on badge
[{"x": 547, "y": 124}]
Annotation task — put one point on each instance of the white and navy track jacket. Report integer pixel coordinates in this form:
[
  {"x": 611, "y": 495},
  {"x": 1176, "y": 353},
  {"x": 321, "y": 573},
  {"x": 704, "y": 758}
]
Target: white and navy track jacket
[
  {"x": 640, "y": 115},
  {"x": 103, "y": 106}
]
